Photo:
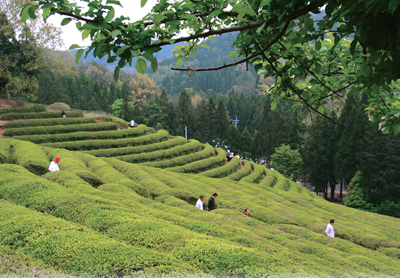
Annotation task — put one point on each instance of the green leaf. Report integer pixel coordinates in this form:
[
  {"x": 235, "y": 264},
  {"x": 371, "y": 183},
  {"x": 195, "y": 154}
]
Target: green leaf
[
  {"x": 321, "y": 109},
  {"x": 274, "y": 103},
  {"x": 265, "y": 2},
  {"x": 85, "y": 34},
  {"x": 78, "y": 55},
  {"x": 122, "y": 49},
  {"x": 241, "y": 8},
  {"x": 24, "y": 14},
  {"x": 115, "y": 33},
  {"x": 110, "y": 15},
  {"x": 73, "y": 46},
  {"x": 179, "y": 61},
  {"x": 65, "y": 21},
  {"x": 318, "y": 45},
  {"x": 205, "y": 46},
  {"x": 46, "y": 12},
  {"x": 116, "y": 73},
  {"x": 396, "y": 129},
  {"x": 327, "y": 111},
  {"x": 234, "y": 52},
  {"x": 353, "y": 47},
  {"x": 259, "y": 29},
  {"x": 148, "y": 56},
  {"x": 113, "y": 2},
  {"x": 154, "y": 65},
  {"x": 142, "y": 3},
  {"x": 141, "y": 65},
  {"x": 32, "y": 10}
]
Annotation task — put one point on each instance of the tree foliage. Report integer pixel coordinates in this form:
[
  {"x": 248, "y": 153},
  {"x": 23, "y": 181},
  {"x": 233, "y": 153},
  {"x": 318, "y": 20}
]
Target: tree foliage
[
  {"x": 275, "y": 36},
  {"x": 287, "y": 162}
]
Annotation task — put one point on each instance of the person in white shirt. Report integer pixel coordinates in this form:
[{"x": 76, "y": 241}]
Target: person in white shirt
[
  {"x": 54, "y": 165},
  {"x": 330, "y": 231},
  {"x": 199, "y": 203}
]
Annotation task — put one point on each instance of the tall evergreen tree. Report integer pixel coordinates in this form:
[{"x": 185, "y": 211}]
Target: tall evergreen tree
[
  {"x": 210, "y": 121},
  {"x": 245, "y": 143},
  {"x": 233, "y": 139},
  {"x": 185, "y": 114},
  {"x": 221, "y": 124}
]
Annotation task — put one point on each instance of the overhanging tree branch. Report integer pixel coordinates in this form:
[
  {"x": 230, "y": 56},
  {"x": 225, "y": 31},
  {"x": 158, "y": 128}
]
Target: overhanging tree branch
[{"x": 281, "y": 33}]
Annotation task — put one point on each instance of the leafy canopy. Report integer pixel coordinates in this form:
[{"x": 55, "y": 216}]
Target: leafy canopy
[{"x": 313, "y": 60}]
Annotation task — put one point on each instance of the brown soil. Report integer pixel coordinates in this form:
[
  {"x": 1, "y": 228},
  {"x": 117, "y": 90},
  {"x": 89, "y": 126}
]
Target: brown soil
[{"x": 5, "y": 104}]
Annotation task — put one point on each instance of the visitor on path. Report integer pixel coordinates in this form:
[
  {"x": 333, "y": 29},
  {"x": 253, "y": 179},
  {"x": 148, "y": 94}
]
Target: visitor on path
[
  {"x": 199, "y": 203},
  {"x": 132, "y": 123},
  {"x": 63, "y": 114},
  {"x": 330, "y": 231},
  {"x": 211, "y": 202},
  {"x": 228, "y": 153},
  {"x": 54, "y": 165},
  {"x": 246, "y": 211}
]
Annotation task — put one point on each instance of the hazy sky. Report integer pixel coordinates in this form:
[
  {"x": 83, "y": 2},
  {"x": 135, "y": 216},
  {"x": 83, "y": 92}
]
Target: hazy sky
[{"x": 131, "y": 9}]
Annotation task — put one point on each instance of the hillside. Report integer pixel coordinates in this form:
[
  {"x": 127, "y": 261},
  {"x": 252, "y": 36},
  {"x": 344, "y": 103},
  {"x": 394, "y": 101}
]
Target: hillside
[{"x": 123, "y": 204}]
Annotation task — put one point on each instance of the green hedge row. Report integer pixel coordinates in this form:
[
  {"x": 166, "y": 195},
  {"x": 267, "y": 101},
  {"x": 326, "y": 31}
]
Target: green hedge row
[
  {"x": 101, "y": 144},
  {"x": 25, "y": 109},
  {"x": 270, "y": 179},
  {"x": 245, "y": 171},
  {"x": 224, "y": 170},
  {"x": 117, "y": 120},
  {"x": 41, "y": 115},
  {"x": 4, "y": 150},
  {"x": 182, "y": 160},
  {"x": 82, "y": 135},
  {"x": 75, "y": 249},
  {"x": 49, "y": 122},
  {"x": 108, "y": 174},
  {"x": 202, "y": 165},
  {"x": 176, "y": 141},
  {"x": 58, "y": 129},
  {"x": 257, "y": 175},
  {"x": 189, "y": 147},
  {"x": 30, "y": 156}
]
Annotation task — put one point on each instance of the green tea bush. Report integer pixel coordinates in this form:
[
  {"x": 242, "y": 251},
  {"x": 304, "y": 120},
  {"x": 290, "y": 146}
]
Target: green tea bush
[
  {"x": 189, "y": 147},
  {"x": 75, "y": 249},
  {"x": 41, "y": 115},
  {"x": 49, "y": 122},
  {"x": 245, "y": 171},
  {"x": 57, "y": 129},
  {"x": 184, "y": 159},
  {"x": 85, "y": 135},
  {"x": 112, "y": 152},
  {"x": 270, "y": 179},
  {"x": 257, "y": 175},
  {"x": 120, "y": 122},
  {"x": 202, "y": 165},
  {"x": 4, "y": 150},
  {"x": 110, "y": 175},
  {"x": 29, "y": 156},
  {"x": 224, "y": 170},
  {"x": 101, "y": 144},
  {"x": 26, "y": 109}
]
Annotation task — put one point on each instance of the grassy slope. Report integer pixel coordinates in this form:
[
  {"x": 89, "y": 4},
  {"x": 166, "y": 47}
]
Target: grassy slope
[{"x": 106, "y": 216}]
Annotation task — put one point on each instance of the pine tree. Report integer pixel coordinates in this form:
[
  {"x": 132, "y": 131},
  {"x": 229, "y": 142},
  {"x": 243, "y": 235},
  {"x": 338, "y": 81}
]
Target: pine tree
[
  {"x": 245, "y": 143},
  {"x": 200, "y": 120},
  {"x": 93, "y": 105},
  {"x": 82, "y": 104},
  {"x": 185, "y": 114},
  {"x": 210, "y": 121},
  {"x": 232, "y": 140}
]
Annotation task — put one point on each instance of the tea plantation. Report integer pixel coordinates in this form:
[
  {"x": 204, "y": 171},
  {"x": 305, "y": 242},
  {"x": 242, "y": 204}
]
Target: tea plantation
[{"x": 123, "y": 201}]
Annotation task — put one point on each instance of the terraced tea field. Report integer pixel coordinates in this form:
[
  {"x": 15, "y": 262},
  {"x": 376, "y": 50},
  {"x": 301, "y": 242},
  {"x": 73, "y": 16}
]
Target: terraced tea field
[{"x": 122, "y": 204}]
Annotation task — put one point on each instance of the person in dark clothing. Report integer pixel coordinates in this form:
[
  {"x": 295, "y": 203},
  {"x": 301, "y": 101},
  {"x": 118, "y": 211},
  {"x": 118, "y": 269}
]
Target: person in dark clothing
[
  {"x": 211, "y": 202},
  {"x": 63, "y": 114}
]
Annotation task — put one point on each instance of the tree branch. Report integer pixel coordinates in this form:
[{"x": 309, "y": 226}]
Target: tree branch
[{"x": 281, "y": 33}]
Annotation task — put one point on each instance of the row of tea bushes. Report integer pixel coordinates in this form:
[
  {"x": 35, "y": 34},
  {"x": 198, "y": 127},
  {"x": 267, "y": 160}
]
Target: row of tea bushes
[
  {"x": 257, "y": 175},
  {"x": 116, "y": 143},
  {"x": 30, "y": 156},
  {"x": 224, "y": 170},
  {"x": 184, "y": 159},
  {"x": 245, "y": 171},
  {"x": 190, "y": 147},
  {"x": 270, "y": 178},
  {"x": 4, "y": 150},
  {"x": 41, "y": 115},
  {"x": 49, "y": 122},
  {"x": 202, "y": 165},
  {"x": 112, "y": 152},
  {"x": 25, "y": 109},
  {"x": 85, "y": 135},
  {"x": 75, "y": 249},
  {"x": 58, "y": 129},
  {"x": 121, "y": 123}
]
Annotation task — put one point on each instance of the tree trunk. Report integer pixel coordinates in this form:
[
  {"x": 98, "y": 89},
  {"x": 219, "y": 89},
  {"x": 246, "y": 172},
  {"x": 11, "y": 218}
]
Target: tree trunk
[
  {"x": 333, "y": 187},
  {"x": 341, "y": 189}
]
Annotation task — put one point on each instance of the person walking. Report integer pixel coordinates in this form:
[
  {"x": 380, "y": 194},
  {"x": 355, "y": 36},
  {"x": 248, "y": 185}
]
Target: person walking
[
  {"x": 54, "y": 165},
  {"x": 330, "y": 231},
  {"x": 211, "y": 202},
  {"x": 199, "y": 203}
]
